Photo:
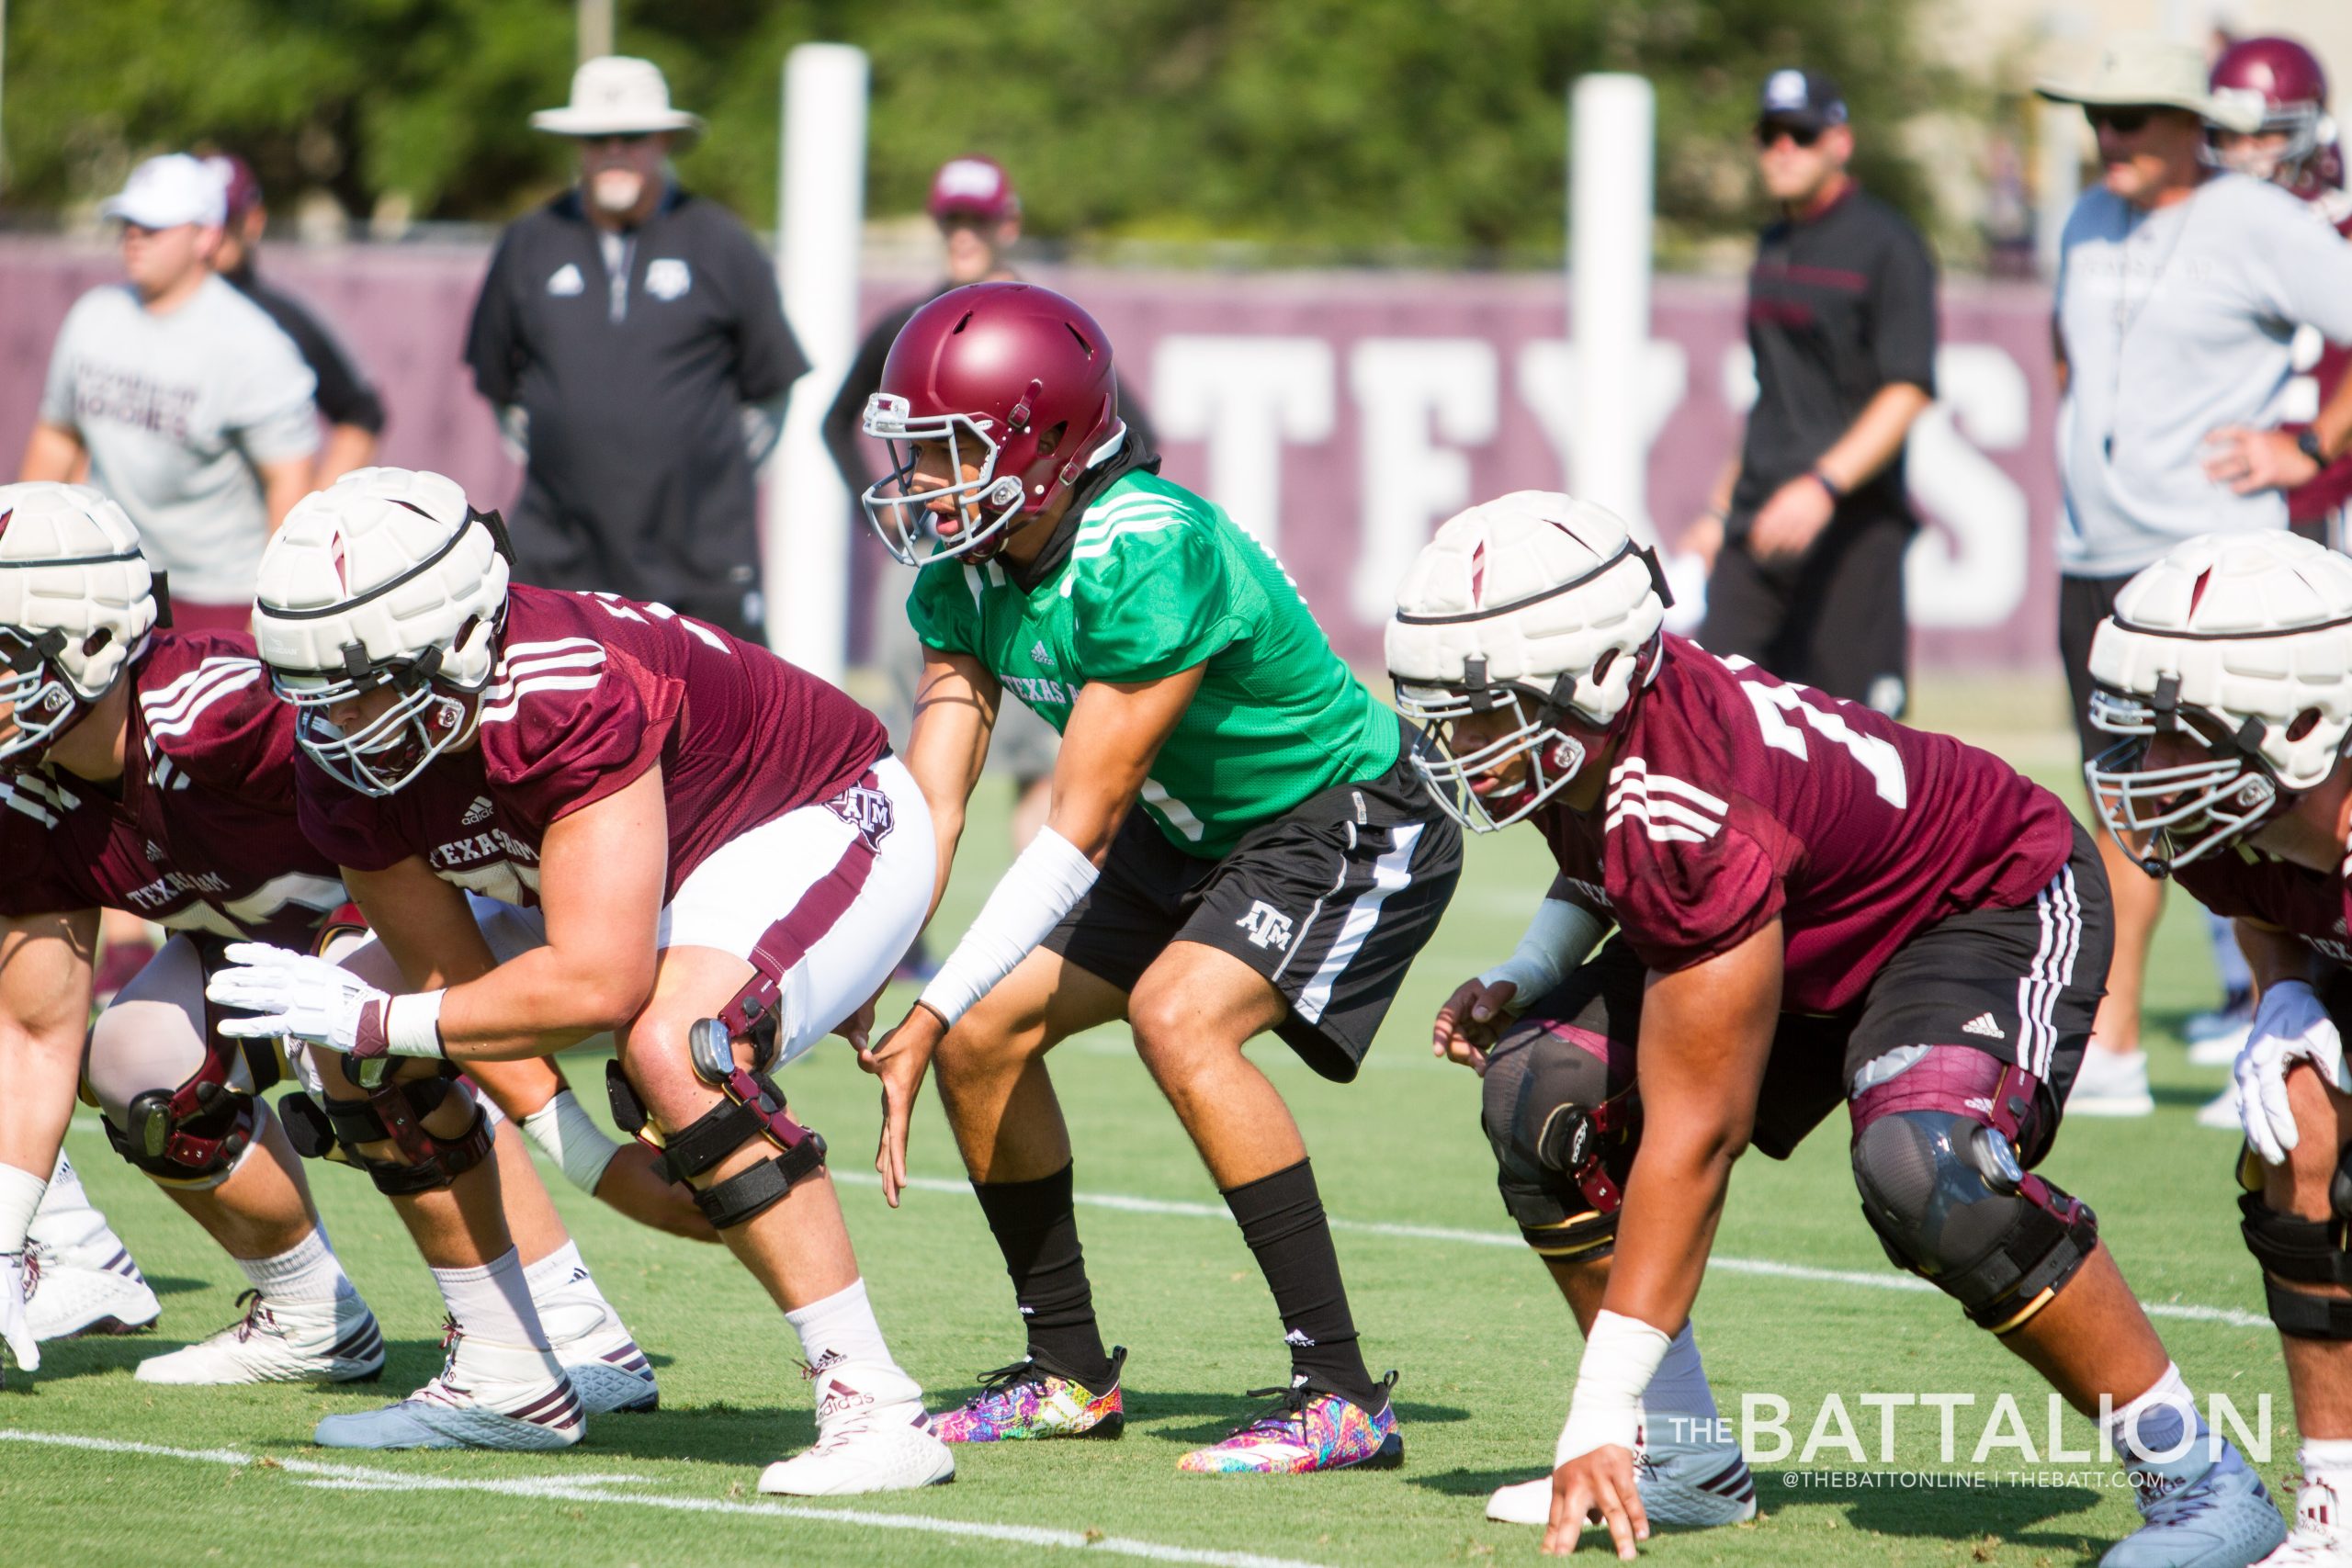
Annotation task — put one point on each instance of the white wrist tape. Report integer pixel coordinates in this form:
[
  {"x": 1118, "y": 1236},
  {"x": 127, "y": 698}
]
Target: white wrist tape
[
  {"x": 1043, "y": 885},
  {"x": 412, "y": 1024},
  {"x": 1620, "y": 1355},
  {"x": 1557, "y": 940},
  {"x": 567, "y": 1134}
]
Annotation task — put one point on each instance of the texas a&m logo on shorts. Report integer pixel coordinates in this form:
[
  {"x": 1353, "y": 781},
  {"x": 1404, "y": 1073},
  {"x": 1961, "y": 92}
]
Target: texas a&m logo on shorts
[{"x": 865, "y": 808}]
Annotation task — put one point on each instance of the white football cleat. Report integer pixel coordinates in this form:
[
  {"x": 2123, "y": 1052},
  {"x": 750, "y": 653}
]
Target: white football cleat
[
  {"x": 2323, "y": 1535},
  {"x": 872, "y": 1436},
  {"x": 1683, "y": 1481},
  {"x": 2112, "y": 1083},
  {"x": 279, "y": 1341},
  {"x": 511, "y": 1397},
  {"x": 92, "y": 1286},
  {"x": 597, "y": 1351}
]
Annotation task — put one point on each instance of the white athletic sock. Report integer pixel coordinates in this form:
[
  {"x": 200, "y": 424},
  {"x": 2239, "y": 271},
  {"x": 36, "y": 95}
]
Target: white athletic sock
[
  {"x": 841, "y": 1326},
  {"x": 2148, "y": 1433},
  {"x": 1681, "y": 1386},
  {"x": 2328, "y": 1458},
  {"x": 493, "y": 1301},
  {"x": 66, "y": 1218},
  {"x": 307, "y": 1271},
  {"x": 20, "y": 1192},
  {"x": 554, "y": 1272}
]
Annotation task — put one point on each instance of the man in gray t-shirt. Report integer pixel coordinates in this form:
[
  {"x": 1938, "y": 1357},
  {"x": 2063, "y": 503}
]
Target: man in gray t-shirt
[
  {"x": 2180, "y": 288},
  {"x": 190, "y": 405}
]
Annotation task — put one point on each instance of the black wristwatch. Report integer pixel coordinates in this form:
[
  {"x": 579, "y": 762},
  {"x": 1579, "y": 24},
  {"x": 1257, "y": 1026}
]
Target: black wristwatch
[{"x": 2307, "y": 443}]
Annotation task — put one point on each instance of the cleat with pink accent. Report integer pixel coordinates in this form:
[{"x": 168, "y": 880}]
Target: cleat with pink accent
[
  {"x": 1026, "y": 1402},
  {"x": 1308, "y": 1429},
  {"x": 279, "y": 1341},
  {"x": 511, "y": 1397}
]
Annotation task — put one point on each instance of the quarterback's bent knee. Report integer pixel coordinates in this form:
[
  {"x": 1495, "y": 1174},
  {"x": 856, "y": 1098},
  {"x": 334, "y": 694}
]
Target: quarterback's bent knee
[{"x": 1948, "y": 1200}]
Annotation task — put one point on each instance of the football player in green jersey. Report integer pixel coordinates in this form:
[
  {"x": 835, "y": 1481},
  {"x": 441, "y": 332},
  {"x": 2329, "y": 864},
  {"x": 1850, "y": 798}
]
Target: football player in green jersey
[{"x": 1283, "y": 869}]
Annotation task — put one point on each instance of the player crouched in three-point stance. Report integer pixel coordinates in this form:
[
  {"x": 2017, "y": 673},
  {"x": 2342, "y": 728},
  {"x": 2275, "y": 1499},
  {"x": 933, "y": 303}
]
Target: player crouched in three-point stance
[
  {"x": 1282, "y": 871},
  {"x": 153, "y": 771},
  {"x": 664, "y": 832},
  {"x": 1814, "y": 904},
  {"x": 2226, "y": 671}
]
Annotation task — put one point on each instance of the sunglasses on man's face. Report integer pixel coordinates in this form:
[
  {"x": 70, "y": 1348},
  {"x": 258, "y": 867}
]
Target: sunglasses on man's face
[
  {"x": 625, "y": 138},
  {"x": 2124, "y": 122},
  {"x": 1803, "y": 135}
]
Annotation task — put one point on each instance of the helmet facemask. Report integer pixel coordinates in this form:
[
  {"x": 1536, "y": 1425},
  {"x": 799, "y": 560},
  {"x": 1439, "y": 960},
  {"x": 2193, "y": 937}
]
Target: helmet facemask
[
  {"x": 390, "y": 750},
  {"x": 42, "y": 704},
  {"x": 2180, "y": 813},
  {"x": 986, "y": 506},
  {"x": 1547, "y": 728}
]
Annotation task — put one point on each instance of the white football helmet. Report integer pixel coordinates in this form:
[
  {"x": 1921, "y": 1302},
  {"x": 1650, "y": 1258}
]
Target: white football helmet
[
  {"x": 386, "y": 577},
  {"x": 2242, "y": 642},
  {"x": 76, "y": 601},
  {"x": 1536, "y": 604}
]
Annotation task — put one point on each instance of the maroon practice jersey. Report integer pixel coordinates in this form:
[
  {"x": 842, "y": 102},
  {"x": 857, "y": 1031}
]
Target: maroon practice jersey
[
  {"x": 201, "y": 833},
  {"x": 1736, "y": 796},
  {"x": 2239, "y": 882},
  {"x": 588, "y": 692}
]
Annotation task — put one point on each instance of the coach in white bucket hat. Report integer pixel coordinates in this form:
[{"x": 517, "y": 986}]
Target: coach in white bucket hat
[
  {"x": 2146, "y": 71},
  {"x": 616, "y": 95}
]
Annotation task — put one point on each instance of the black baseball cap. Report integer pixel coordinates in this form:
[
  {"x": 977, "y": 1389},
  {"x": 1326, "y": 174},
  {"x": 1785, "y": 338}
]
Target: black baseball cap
[{"x": 1807, "y": 100}]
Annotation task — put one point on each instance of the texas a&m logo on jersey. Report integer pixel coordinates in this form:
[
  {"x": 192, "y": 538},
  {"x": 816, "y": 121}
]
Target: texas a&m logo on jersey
[{"x": 865, "y": 808}]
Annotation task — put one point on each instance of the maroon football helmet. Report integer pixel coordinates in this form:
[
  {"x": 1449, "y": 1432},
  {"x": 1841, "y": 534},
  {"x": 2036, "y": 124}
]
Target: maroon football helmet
[
  {"x": 2293, "y": 87},
  {"x": 1015, "y": 381}
]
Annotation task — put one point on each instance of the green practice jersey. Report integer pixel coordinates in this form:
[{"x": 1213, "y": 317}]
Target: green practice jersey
[{"x": 1159, "y": 581}]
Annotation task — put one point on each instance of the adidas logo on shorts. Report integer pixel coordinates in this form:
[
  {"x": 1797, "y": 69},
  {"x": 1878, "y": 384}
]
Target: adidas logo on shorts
[
  {"x": 478, "y": 812},
  {"x": 1983, "y": 1024}
]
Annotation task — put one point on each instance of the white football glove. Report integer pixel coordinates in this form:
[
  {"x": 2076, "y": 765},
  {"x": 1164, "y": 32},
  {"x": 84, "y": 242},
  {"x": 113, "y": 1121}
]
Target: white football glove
[
  {"x": 301, "y": 998},
  {"x": 2290, "y": 1026},
  {"x": 14, "y": 1330}
]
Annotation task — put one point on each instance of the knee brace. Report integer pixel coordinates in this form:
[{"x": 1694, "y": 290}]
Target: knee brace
[
  {"x": 753, "y": 1107},
  {"x": 393, "y": 1113},
  {"x": 2309, "y": 1252},
  {"x": 1950, "y": 1202},
  {"x": 195, "y": 1133},
  {"x": 1563, "y": 1143}
]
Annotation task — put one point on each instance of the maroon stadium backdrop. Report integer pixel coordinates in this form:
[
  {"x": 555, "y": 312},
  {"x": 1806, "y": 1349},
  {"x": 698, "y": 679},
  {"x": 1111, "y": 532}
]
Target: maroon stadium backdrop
[{"x": 1343, "y": 415}]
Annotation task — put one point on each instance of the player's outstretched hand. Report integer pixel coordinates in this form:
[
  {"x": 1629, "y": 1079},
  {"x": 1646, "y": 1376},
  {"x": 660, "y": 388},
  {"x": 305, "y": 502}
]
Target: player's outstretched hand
[
  {"x": 858, "y": 1027},
  {"x": 1596, "y": 1486},
  {"x": 900, "y": 1061},
  {"x": 300, "y": 997},
  {"x": 1469, "y": 1021}
]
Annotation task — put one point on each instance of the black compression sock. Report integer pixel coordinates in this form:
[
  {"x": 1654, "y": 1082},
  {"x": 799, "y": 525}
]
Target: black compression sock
[
  {"x": 1282, "y": 1219},
  {"x": 1036, "y": 1229}
]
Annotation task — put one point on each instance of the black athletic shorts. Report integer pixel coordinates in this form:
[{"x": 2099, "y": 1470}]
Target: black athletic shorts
[
  {"x": 1833, "y": 619},
  {"x": 2083, "y": 604},
  {"x": 1329, "y": 901},
  {"x": 2018, "y": 985}
]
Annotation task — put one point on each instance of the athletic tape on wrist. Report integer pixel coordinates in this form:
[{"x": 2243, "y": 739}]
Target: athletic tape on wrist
[
  {"x": 1620, "y": 1355},
  {"x": 567, "y": 1134},
  {"x": 412, "y": 1025},
  {"x": 1557, "y": 940},
  {"x": 1043, "y": 886}
]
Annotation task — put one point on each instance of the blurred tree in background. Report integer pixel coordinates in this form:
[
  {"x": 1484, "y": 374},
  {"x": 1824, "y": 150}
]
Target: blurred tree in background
[{"x": 1325, "y": 127}]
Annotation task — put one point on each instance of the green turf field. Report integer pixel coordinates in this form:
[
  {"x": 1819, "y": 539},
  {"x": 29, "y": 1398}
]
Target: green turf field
[{"x": 1441, "y": 1289}]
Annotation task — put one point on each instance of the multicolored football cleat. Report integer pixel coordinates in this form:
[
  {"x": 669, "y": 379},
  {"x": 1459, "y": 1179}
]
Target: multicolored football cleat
[
  {"x": 1308, "y": 1429},
  {"x": 1025, "y": 1401}
]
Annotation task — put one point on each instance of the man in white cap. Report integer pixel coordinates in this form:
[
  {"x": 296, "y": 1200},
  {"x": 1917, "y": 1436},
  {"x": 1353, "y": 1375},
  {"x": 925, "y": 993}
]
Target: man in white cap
[
  {"x": 187, "y": 404},
  {"x": 631, "y": 336},
  {"x": 2180, "y": 288}
]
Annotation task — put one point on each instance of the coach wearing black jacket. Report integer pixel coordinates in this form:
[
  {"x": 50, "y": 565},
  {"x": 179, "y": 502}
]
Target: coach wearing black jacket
[{"x": 632, "y": 339}]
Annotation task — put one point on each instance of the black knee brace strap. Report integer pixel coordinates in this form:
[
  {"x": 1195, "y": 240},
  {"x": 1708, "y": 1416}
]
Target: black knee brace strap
[
  {"x": 395, "y": 1113},
  {"x": 2307, "y": 1252},
  {"x": 754, "y": 1108},
  {"x": 201, "y": 1128}
]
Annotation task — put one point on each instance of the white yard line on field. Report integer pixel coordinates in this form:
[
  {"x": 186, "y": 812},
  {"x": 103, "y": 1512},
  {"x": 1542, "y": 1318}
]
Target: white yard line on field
[
  {"x": 2186, "y": 1311},
  {"x": 592, "y": 1489}
]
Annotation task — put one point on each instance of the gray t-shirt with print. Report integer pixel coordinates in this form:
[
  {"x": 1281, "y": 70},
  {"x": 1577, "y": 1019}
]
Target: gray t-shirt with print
[
  {"x": 2176, "y": 322},
  {"x": 177, "y": 411}
]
